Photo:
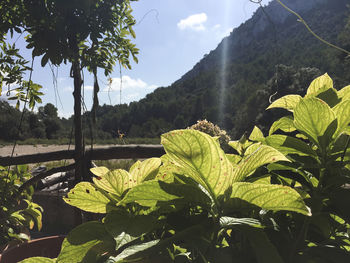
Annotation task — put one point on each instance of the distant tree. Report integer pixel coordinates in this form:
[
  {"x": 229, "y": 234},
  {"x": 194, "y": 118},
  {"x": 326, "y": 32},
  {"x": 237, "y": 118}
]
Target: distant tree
[{"x": 49, "y": 117}]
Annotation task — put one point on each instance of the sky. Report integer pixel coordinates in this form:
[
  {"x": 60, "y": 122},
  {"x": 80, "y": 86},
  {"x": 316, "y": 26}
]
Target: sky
[{"x": 172, "y": 35}]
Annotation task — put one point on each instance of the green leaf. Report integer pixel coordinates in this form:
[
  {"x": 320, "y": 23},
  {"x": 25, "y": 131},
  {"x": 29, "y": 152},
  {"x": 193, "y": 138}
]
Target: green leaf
[
  {"x": 262, "y": 155},
  {"x": 146, "y": 170},
  {"x": 319, "y": 85},
  {"x": 264, "y": 250},
  {"x": 115, "y": 182},
  {"x": 125, "y": 227},
  {"x": 256, "y": 134},
  {"x": 154, "y": 193},
  {"x": 268, "y": 197},
  {"x": 285, "y": 124},
  {"x": 342, "y": 111},
  {"x": 118, "y": 181},
  {"x": 287, "y": 102},
  {"x": 86, "y": 243},
  {"x": 289, "y": 145},
  {"x": 315, "y": 119},
  {"x": 201, "y": 157},
  {"x": 135, "y": 249},
  {"x": 344, "y": 93},
  {"x": 322, "y": 88},
  {"x": 38, "y": 260},
  {"x": 88, "y": 197},
  {"x": 229, "y": 222}
]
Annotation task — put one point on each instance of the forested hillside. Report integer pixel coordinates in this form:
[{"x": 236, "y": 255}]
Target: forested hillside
[{"x": 266, "y": 57}]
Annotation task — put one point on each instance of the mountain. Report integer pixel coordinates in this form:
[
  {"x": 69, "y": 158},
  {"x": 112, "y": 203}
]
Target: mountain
[
  {"x": 230, "y": 86},
  {"x": 268, "y": 56}
]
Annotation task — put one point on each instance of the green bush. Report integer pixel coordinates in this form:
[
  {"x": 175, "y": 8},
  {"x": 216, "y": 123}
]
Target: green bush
[
  {"x": 281, "y": 198},
  {"x": 18, "y": 213}
]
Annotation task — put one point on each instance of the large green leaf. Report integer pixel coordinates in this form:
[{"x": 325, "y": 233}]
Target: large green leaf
[
  {"x": 86, "y": 243},
  {"x": 315, "y": 119},
  {"x": 115, "y": 182},
  {"x": 146, "y": 170},
  {"x": 285, "y": 124},
  {"x": 289, "y": 145},
  {"x": 38, "y": 260},
  {"x": 256, "y": 134},
  {"x": 201, "y": 157},
  {"x": 287, "y": 102},
  {"x": 342, "y": 111},
  {"x": 125, "y": 227},
  {"x": 268, "y": 197},
  {"x": 118, "y": 181},
  {"x": 88, "y": 197},
  {"x": 154, "y": 193},
  {"x": 319, "y": 85},
  {"x": 261, "y": 155}
]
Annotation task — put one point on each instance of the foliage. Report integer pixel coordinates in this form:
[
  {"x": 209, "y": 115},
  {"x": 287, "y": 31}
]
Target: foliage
[
  {"x": 17, "y": 212},
  {"x": 315, "y": 137},
  {"x": 284, "y": 196},
  {"x": 190, "y": 204}
]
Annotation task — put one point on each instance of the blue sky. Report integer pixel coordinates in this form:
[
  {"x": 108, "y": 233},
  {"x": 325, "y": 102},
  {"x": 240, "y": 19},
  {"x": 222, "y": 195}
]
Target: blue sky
[{"x": 172, "y": 35}]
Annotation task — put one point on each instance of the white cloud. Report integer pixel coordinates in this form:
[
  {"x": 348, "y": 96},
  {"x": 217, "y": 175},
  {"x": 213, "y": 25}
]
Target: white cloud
[
  {"x": 132, "y": 90},
  {"x": 129, "y": 84},
  {"x": 221, "y": 32},
  {"x": 193, "y": 22}
]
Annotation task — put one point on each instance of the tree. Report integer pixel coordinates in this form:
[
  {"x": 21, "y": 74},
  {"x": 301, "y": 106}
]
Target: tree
[
  {"x": 87, "y": 34},
  {"x": 49, "y": 117}
]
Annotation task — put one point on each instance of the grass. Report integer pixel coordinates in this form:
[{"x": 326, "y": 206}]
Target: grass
[{"x": 110, "y": 164}]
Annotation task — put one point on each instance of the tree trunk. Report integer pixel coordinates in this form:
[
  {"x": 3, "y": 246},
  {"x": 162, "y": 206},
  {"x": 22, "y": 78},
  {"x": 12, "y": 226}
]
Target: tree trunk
[{"x": 78, "y": 131}]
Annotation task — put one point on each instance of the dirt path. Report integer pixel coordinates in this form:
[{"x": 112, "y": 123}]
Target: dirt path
[{"x": 31, "y": 149}]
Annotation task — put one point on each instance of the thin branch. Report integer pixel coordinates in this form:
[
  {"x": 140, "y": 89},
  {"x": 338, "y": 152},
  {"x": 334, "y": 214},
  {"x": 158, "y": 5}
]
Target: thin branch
[{"x": 40, "y": 176}]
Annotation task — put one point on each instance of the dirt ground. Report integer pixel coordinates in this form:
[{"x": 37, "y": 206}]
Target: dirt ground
[{"x": 33, "y": 149}]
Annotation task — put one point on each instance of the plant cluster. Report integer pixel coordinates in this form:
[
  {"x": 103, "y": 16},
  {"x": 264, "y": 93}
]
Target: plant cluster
[
  {"x": 18, "y": 213},
  {"x": 285, "y": 196}
]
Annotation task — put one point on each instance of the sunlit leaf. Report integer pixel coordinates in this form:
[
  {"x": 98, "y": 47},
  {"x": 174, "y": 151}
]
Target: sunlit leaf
[
  {"x": 228, "y": 222},
  {"x": 342, "y": 111},
  {"x": 320, "y": 84},
  {"x": 289, "y": 145},
  {"x": 38, "y": 260},
  {"x": 132, "y": 250},
  {"x": 256, "y": 134},
  {"x": 115, "y": 182},
  {"x": 153, "y": 193},
  {"x": 344, "y": 93},
  {"x": 315, "y": 119},
  {"x": 287, "y": 102},
  {"x": 285, "y": 124},
  {"x": 86, "y": 243},
  {"x": 268, "y": 197},
  {"x": 262, "y": 155},
  {"x": 87, "y": 197},
  {"x": 146, "y": 170},
  {"x": 201, "y": 157}
]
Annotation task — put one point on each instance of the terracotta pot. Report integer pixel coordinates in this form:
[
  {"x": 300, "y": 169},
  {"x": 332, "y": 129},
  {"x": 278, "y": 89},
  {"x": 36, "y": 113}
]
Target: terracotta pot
[{"x": 42, "y": 247}]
